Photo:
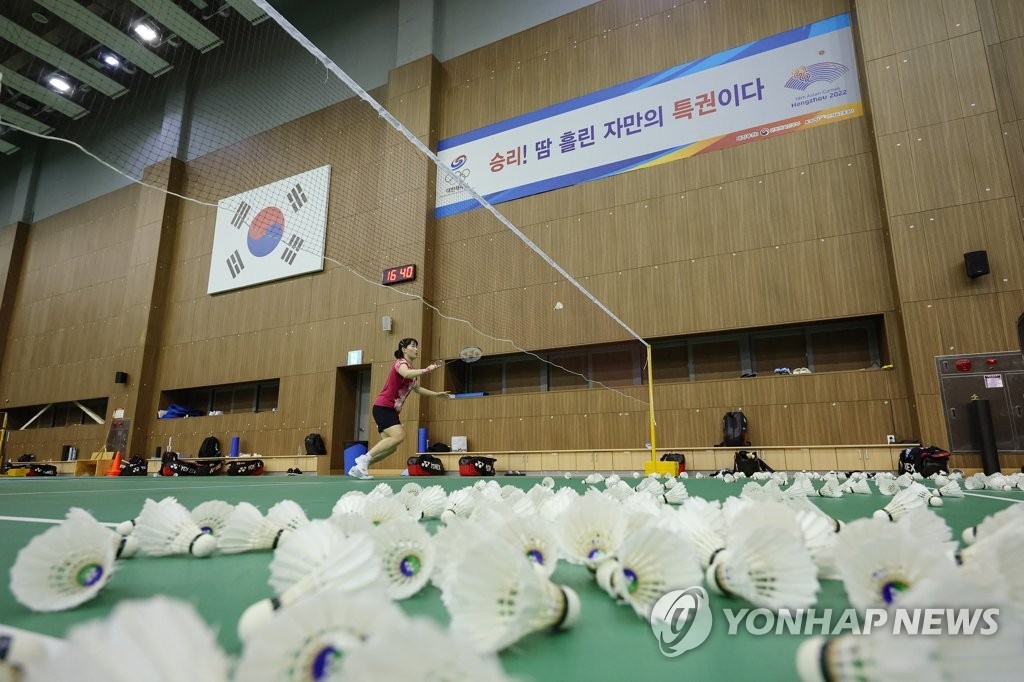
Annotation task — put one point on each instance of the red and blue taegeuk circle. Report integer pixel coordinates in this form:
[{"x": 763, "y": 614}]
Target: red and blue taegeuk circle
[{"x": 266, "y": 231}]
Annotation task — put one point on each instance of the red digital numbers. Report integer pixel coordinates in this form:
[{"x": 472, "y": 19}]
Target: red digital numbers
[{"x": 403, "y": 273}]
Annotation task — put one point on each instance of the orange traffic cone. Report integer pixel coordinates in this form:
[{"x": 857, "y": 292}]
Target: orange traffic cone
[{"x": 115, "y": 465}]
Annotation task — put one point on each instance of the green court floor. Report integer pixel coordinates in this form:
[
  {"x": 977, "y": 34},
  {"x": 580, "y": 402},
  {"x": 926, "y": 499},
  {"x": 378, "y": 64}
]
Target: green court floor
[{"x": 608, "y": 643}]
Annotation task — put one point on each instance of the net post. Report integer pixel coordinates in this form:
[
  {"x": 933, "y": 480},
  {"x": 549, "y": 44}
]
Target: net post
[{"x": 650, "y": 404}]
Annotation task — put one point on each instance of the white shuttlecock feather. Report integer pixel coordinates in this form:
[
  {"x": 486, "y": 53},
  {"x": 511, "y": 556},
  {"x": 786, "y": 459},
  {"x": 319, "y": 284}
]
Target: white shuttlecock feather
[
  {"x": 308, "y": 640},
  {"x": 428, "y": 653},
  {"x": 247, "y": 530},
  {"x": 406, "y": 553},
  {"x": 916, "y": 495},
  {"x": 878, "y": 560},
  {"x": 313, "y": 558},
  {"x": 167, "y": 528},
  {"x": 64, "y": 566},
  {"x": 496, "y": 598},
  {"x": 86, "y": 656},
  {"x": 766, "y": 562},
  {"x": 211, "y": 515},
  {"x": 651, "y": 562},
  {"x": 432, "y": 501},
  {"x": 591, "y": 528},
  {"x": 287, "y": 514}
]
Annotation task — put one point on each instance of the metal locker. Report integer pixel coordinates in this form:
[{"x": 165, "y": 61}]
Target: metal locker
[{"x": 996, "y": 377}]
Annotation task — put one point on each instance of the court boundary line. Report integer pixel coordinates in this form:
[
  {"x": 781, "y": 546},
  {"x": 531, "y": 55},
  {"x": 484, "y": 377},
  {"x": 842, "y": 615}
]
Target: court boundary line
[
  {"x": 34, "y": 519},
  {"x": 992, "y": 497}
]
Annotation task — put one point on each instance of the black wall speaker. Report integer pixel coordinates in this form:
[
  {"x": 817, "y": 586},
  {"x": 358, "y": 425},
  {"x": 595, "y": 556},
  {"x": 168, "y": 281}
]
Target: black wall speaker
[
  {"x": 120, "y": 377},
  {"x": 976, "y": 263}
]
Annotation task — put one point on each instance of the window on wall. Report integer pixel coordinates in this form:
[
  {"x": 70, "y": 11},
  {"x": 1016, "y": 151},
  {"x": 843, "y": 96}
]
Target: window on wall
[
  {"x": 771, "y": 351},
  {"x": 55, "y": 415},
  {"x": 253, "y": 396},
  {"x": 821, "y": 347}
]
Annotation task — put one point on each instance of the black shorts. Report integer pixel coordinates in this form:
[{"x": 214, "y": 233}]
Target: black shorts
[{"x": 386, "y": 417}]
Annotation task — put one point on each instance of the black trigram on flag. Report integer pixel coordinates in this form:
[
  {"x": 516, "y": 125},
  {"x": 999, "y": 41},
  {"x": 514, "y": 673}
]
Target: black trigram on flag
[
  {"x": 291, "y": 249},
  {"x": 235, "y": 264},
  {"x": 297, "y": 197},
  {"x": 241, "y": 214}
]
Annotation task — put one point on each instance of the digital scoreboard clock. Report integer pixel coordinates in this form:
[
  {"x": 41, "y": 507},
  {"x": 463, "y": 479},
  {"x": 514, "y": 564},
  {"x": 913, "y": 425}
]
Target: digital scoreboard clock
[{"x": 403, "y": 273}]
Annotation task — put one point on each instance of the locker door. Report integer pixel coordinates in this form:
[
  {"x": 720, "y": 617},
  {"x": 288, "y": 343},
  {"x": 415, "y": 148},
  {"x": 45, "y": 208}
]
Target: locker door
[
  {"x": 1015, "y": 391},
  {"x": 956, "y": 396}
]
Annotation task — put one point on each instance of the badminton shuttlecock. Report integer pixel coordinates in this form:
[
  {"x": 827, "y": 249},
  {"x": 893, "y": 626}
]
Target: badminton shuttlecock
[
  {"x": 125, "y": 546},
  {"x": 352, "y": 502},
  {"x": 307, "y": 640},
  {"x": 247, "y": 530},
  {"x": 432, "y": 501},
  {"x": 887, "y": 486},
  {"x": 211, "y": 515},
  {"x": 994, "y": 561},
  {"x": 594, "y": 479},
  {"x": 831, "y": 488},
  {"x": 313, "y": 558},
  {"x": 496, "y": 597},
  {"x": 429, "y": 653},
  {"x": 460, "y": 504},
  {"x": 166, "y": 527},
  {"x": 676, "y": 494},
  {"x": 380, "y": 509},
  {"x": 766, "y": 562},
  {"x": 903, "y": 501},
  {"x": 591, "y": 529},
  {"x": 651, "y": 562},
  {"x": 24, "y": 649},
  {"x": 950, "y": 489},
  {"x": 64, "y": 566},
  {"x": 406, "y": 556},
  {"x": 1014, "y": 514},
  {"x": 877, "y": 561},
  {"x": 86, "y": 655},
  {"x": 287, "y": 514},
  {"x": 413, "y": 488},
  {"x": 558, "y": 305}
]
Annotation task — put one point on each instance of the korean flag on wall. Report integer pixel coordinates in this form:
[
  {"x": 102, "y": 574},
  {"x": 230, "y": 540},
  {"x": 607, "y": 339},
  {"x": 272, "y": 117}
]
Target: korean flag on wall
[{"x": 271, "y": 232}]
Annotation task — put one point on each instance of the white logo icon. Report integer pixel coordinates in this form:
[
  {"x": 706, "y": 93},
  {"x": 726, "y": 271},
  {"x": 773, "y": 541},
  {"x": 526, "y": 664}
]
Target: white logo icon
[{"x": 681, "y": 620}]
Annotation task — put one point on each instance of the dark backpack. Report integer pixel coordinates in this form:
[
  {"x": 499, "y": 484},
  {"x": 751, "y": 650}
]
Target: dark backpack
[
  {"x": 476, "y": 466},
  {"x": 439, "y": 447},
  {"x": 677, "y": 457},
  {"x": 925, "y": 461},
  {"x": 210, "y": 447},
  {"x": 315, "y": 445},
  {"x": 734, "y": 430},
  {"x": 749, "y": 463}
]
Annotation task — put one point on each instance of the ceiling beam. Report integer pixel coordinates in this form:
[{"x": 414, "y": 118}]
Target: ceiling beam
[
  {"x": 181, "y": 22},
  {"x": 51, "y": 54},
  {"x": 8, "y": 115},
  {"x": 248, "y": 10},
  {"x": 7, "y": 147},
  {"x": 106, "y": 34},
  {"x": 14, "y": 80}
]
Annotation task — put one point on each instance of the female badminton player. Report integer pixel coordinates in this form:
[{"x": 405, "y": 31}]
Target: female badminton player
[{"x": 400, "y": 382}]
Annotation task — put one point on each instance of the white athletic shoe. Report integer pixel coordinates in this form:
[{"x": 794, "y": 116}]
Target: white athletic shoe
[
  {"x": 359, "y": 472},
  {"x": 363, "y": 462}
]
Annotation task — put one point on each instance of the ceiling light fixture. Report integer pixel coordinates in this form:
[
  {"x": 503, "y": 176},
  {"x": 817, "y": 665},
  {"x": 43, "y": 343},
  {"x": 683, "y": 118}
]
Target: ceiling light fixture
[
  {"x": 111, "y": 60},
  {"x": 146, "y": 32},
  {"x": 59, "y": 83}
]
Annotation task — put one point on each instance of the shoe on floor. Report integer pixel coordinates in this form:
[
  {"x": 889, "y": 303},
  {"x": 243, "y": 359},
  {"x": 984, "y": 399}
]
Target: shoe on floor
[
  {"x": 363, "y": 462},
  {"x": 357, "y": 472}
]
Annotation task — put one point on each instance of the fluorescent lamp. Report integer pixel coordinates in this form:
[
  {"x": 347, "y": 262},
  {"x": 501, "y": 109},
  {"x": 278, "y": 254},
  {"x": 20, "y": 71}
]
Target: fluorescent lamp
[
  {"x": 146, "y": 32},
  {"x": 59, "y": 83}
]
